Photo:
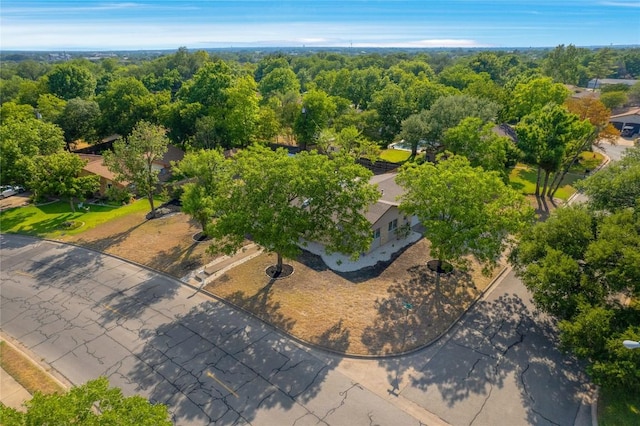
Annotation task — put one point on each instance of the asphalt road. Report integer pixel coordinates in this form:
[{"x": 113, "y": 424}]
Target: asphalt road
[{"x": 87, "y": 314}]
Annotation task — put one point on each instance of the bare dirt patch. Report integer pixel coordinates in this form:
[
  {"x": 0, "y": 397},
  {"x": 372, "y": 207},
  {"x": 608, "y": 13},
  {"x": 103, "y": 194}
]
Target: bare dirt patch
[
  {"x": 388, "y": 309},
  {"x": 164, "y": 243}
]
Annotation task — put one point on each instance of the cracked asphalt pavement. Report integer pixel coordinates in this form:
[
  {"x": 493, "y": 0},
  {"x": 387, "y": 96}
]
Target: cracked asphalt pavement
[{"x": 87, "y": 314}]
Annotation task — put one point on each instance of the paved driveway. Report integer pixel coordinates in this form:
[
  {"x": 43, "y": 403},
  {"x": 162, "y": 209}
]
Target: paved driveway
[{"x": 88, "y": 315}]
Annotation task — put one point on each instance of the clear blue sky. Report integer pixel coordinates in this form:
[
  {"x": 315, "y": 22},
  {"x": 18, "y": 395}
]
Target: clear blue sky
[{"x": 169, "y": 24}]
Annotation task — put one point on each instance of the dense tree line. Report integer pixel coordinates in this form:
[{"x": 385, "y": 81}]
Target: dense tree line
[{"x": 582, "y": 266}]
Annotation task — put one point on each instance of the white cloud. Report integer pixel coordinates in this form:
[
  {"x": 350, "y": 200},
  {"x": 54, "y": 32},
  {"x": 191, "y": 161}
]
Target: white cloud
[{"x": 633, "y": 3}]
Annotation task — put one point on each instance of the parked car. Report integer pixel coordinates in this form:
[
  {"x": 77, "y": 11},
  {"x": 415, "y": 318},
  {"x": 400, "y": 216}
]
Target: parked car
[
  {"x": 627, "y": 131},
  {"x": 7, "y": 191},
  {"x": 19, "y": 189}
]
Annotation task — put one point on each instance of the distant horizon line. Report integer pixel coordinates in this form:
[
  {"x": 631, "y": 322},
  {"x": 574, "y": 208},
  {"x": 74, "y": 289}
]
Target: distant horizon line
[{"x": 311, "y": 47}]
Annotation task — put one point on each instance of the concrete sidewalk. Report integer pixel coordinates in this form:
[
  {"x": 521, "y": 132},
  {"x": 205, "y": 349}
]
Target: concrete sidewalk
[
  {"x": 219, "y": 266},
  {"x": 12, "y": 394}
]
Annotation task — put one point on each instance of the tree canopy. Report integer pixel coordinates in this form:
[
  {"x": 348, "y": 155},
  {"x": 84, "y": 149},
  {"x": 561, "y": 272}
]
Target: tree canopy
[
  {"x": 93, "y": 403},
  {"x": 132, "y": 161},
  {"x": 466, "y": 211},
  {"x": 280, "y": 201}
]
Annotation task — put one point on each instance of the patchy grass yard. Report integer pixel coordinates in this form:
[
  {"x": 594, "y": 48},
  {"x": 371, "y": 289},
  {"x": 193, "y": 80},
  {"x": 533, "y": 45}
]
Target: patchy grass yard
[{"x": 363, "y": 312}]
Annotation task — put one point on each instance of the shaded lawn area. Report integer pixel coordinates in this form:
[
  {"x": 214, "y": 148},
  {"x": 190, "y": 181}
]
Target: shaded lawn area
[
  {"x": 617, "y": 408},
  {"x": 391, "y": 308},
  {"x": 523, "y": 177},
  {"x": 395, "y": 155},
  {"x": 52, "y": 220}
]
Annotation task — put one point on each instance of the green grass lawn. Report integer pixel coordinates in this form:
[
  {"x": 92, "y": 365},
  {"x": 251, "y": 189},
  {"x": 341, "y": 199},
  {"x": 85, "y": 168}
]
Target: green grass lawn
[
  {"x": 47, "y": 220},
  {"x": 395, "y": 155},
  {"x": 523, "y": 177},
  {"x": 617, "y": 408}
]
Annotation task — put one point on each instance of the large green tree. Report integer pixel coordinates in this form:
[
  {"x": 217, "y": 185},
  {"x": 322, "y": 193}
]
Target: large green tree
[
  {"x": 93, "y": 403},
  {"x": 280, "y": 201},
  {"x": 617, "y": 185},
  {"x": 531, "y": 95},
  {"x": 465, "y": 210},
  {"x": 448, "y": 111},
  {"x": 69, "y": 80},
  {"x": 545, "y": 135},
  {"x": 317, "y": 109},
  {"x": 23, "y": 137},
  {"x": 60, "y": 175},
  {"x": 132, "y": 160},
  {"x": 125, "y": 102},
  {"x": 480, "y": 144},
  {"x": 79, "y": 120},
  {"x": 208, "y": 174}
]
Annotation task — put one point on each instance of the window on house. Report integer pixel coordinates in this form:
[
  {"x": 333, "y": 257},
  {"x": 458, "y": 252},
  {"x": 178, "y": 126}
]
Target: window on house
[
  {"x": 393, "y": 224},
  {"x": 376, "y": 233}
]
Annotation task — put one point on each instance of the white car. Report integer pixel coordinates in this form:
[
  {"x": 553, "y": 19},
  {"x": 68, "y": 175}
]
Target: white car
[{"x": 7, "y": 191}]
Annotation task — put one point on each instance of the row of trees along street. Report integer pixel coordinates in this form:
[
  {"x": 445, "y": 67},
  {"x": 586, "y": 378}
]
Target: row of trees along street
[
  {"x": 356, "y": 104},
  {"x": 582, "y": 266}
]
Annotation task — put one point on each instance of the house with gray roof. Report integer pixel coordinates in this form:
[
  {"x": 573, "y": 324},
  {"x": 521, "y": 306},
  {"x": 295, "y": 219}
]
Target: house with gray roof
[{"x": 391, "y": 229}]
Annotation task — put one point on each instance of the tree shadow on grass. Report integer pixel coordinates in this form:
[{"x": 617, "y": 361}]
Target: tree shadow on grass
[
  {"x": 316, "y": 263},
  {"x": 262, "y": 306},
  {"x": 216, "y": 365},
  {"x": 416, "y": 312},
  {"x": 335, "y": 338},
  {"x": 114, "y": 239},
  {"x": 177, "y": 261}
]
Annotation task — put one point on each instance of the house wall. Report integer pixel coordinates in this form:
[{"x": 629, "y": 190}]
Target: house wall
[
  {"x": 382, "y": 248},
  {"x": 382, "y": 224}
]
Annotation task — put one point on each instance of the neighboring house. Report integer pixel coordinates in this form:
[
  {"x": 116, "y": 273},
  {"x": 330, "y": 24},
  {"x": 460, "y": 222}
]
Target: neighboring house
[
  {"x": 95, "y": 166},
  {"x": 628, "y": 123},
  {"x": 597, "y": 83},
  {"x": 163, "y": 166},
  {"x": 391, "y": 229}
]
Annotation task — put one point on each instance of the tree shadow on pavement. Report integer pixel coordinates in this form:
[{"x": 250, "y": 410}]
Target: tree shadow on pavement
[
  {"x": 126, "y": 304},
  {"x": 499, "y": 344},
  {"x": 216, "y": 365},
  {"x": 416, "y": 312},
  {"x": 66, "y": 267}
]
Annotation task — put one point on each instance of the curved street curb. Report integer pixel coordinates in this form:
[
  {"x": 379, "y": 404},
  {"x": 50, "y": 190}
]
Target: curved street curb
[{"x": 298, "y": 340}]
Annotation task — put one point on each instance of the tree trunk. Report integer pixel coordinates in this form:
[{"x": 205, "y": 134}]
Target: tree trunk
[
  {"x": 546, "y": 181},
  {"x": 153, "y": 209},
  {"x": 279, "y": 264},
  {"x": 437, "y": 293},
  {"x": 538, "y": 182},
  {"x": 73, "y": 208}
]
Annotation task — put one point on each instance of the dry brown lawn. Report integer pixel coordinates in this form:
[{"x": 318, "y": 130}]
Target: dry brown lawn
[
  {"x": 391, "y": 308},
  {"x": 25, "y": 372}
]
